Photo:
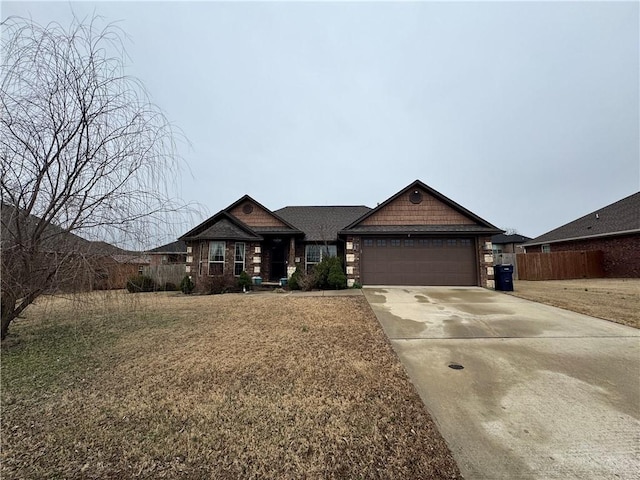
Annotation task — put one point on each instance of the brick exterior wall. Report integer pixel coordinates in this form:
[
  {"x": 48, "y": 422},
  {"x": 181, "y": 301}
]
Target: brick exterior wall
[
  {"x": 202, "y": 247},
  {"x": 621, "y": 255},
  {"x": 485, "y": 262},
  {"x": 352, "y": 259}
]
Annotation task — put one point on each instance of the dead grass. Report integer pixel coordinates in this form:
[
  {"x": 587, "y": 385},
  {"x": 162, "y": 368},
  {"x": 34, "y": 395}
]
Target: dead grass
[
  {"x": 231, "y": 386},
  {"x": 617, "y": 300}
]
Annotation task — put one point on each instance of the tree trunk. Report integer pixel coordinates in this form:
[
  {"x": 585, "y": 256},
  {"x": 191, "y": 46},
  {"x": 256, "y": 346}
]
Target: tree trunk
[{"x": 9, "y": 312}]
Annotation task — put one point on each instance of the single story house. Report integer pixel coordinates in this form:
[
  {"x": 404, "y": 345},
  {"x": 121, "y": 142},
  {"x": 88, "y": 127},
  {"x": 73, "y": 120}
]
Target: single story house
[
  {"x": 503, "y": 243},
  {"x": 170, "y": 254},
  {"x": 614, "y": 230},
  {"x": 416, "y": 237}
]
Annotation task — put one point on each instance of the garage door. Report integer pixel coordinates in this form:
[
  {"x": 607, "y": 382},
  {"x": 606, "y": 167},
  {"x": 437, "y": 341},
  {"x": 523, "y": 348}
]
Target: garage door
[{"x": 418, "y": 261}]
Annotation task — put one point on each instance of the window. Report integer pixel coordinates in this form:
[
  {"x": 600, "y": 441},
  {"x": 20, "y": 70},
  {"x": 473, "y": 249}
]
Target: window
[
  {"x": 216, "y": 258},
  {"x": 437, "y": 243},
  {"x": 408, "y": 242},
  {"x": 238, "y": 264},
  {"x": 368, "y": 242},
  {"x": 395, "y": 242},
  {"x": 546, "y": 248},
  {"x": 465, "y": 242},
  {"x": 381, "y": 242},
  {"x": 315, "y": 253}
]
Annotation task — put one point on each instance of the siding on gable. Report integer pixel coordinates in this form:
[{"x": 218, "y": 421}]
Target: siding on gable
[
  {"x": 430, "y": 211},
  {"x": 259, "y": 217}
]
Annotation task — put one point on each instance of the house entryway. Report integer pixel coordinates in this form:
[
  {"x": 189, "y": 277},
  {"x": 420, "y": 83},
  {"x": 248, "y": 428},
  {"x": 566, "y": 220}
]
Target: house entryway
[{"x": 278, "y": 249}]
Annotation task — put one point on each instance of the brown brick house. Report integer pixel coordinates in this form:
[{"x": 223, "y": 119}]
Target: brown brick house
[
  {"x": 614, "y": 230},
  {"x": 416, "y": 237}
]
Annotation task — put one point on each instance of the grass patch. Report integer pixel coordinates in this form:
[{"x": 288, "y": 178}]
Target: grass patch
[
  {"x": 612, "y": 299},
  {"x": 230, "y": 386}
]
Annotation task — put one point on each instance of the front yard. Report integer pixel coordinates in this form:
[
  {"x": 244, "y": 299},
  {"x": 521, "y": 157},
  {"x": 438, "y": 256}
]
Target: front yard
[
  {"x": 617, "y": 300},
  {"x": 232, "y": 386}
]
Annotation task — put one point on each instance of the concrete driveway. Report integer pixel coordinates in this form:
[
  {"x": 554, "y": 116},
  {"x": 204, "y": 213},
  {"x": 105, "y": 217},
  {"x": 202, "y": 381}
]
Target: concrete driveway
[{"x": 544, "y": 393}]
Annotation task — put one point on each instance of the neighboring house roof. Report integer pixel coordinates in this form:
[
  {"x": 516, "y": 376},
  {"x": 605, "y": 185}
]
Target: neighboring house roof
[
  {"x": 55, "y": 238},
  {"x": 481, "y": 225},
  {"x": 132, "y": 259},
  {"x": 222, "y": 226},
  {"x": 619, "y": 218},
  {"x": 502, "y": 238},
  {"x": 322, "y": 224},
  {"x": 179, "y": 246}
]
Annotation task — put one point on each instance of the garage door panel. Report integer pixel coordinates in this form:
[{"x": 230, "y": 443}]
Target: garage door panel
[{"x": 426, "y": 262}]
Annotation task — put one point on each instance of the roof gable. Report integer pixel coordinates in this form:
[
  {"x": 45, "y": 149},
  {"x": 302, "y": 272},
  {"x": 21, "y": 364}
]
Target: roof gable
[
  {"x": 618, "y": 218},
  {"x": 420, "y": 205},
  {"x": 252, "y": 213},
  {"x": 223, "y": 226}
]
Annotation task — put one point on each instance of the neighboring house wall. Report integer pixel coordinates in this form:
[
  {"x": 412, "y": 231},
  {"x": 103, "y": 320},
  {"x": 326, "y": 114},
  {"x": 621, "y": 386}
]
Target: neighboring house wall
[
  {"x": 156, "y": 259},
  {"x": 621, "y": 255}
]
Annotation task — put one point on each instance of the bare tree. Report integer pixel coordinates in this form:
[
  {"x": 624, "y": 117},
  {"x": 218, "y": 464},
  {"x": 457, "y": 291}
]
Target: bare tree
[{"x": 84, "y": 153}]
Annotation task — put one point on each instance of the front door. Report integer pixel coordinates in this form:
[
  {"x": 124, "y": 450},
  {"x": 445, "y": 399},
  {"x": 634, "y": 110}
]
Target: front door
[{"x": 278, "y": 270}]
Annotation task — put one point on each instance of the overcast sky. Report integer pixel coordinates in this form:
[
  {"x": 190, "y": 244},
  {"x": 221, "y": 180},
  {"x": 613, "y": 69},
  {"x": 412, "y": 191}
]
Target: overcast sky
[{"x": 527, "y": 114}]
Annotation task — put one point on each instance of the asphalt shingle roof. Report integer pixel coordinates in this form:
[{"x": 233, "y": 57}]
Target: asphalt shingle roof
[
  {"x": 514, "y": 238},
  {"x": 620, "y": 217},
  {"x": 174, "y": 247},
  {"x": 322, "y": 223},
  {"x": 225, "y": 230}
]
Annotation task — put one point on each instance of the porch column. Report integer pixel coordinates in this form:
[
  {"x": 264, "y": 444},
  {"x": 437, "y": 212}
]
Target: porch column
[{"x": 291, "y": 262}]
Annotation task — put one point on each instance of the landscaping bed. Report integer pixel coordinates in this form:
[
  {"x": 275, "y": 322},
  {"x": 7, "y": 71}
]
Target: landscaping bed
[
  {"x": 617, "y": 300},
  {"x": 165, "y": 385}
]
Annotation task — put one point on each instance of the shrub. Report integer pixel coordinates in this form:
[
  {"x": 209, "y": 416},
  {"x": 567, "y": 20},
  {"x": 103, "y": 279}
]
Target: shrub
[
  {"x": 186, "y": 285},
  {"x": 336, "y": 278},
  {"x": 222, "y": 284},
  {"x": 244, "y": 281},
  {"x": 294, "y": 281},
  {"x": 328, "y": 273},
  {"x": 170, "y": 287},
  {"x": 140, "y": 283},
  {"x": 307, "y": 281}
]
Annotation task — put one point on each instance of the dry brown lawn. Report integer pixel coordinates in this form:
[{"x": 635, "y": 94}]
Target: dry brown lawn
[
  {"x": 230, "y": 386},
  {"x": 617, "y": 300}
]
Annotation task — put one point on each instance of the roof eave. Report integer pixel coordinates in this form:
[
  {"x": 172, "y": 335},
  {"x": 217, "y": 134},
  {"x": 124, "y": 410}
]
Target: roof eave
[
  {"x": 425, "y": 232},
  {"x": 533, "y": 243}
]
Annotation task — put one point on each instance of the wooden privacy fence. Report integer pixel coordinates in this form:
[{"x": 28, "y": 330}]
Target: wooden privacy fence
[
  {"x": 163, "y": 274},
  {"x": 507, "y": 259},
  {"x": 560, "y": 265}
]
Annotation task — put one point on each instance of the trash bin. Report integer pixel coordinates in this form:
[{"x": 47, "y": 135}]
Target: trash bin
[
  {"x": 257, "y": 280},
  {"x": 283, "y": 282},
  {"x": 503, "y": 277}
]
